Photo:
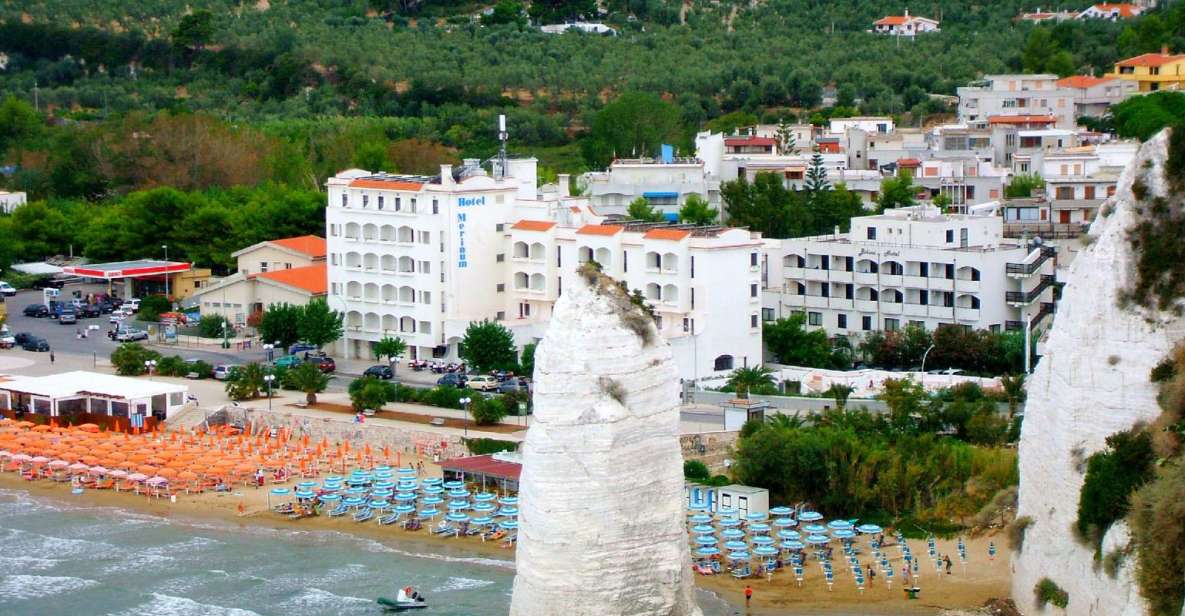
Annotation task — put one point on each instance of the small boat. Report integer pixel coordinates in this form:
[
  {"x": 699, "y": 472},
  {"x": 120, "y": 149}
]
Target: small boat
[{"x": 408, "y": 599}]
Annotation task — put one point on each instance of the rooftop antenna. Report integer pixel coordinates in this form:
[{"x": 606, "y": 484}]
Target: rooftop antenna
[{"x": 502, "y": 137}]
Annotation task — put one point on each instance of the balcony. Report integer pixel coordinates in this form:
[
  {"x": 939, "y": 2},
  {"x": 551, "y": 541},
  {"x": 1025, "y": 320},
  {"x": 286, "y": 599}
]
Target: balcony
[
  {"x": 1021, "y": 270},
  {"x": 967, "y": 314},
  {"x": 916, "y": 310},
  {"x": 941, "y": 312},
  {"x": 1023, "y": 298},
  {"x": 891, "y": 308},
  {"x": 865, "y": 305},
  {"x": 869, "y": 278},
  {"x": 942, "y": 284},
  {"x": 816, "y": 301},
  {"x": 966, "y": 285},
  {"x": 915, "y": 282},
  {"x": 841, "y": 276},
  {"x": 840, "y": 303},
  {"x": 818, "y": 275},
  {"x": 794, "y": 273},
  {"x": 889, "y": 280}
]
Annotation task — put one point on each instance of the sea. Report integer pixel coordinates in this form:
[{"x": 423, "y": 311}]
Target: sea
[{"x": 63, "y": 557}]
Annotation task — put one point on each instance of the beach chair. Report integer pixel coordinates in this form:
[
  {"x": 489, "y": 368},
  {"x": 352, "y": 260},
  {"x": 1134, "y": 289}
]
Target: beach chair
[
  {"x": 284, "y": 508},
  {"x": 364, "y": 515},
  {"x": 798, "y": 575},
  {"x": 741, "y": 572},
  {"x": 860, "y": 584},
  {"x": 388, "y": 520},
  {"x": 412, "y": 524},
  {"x": 339, "y": 511},
  {"x": 889, "y": 578},
  {"x": 830, "y": 577},
  {"x": 509, "y": 543}
]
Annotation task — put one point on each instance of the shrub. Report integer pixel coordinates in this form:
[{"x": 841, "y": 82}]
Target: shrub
[
  {"x": 1158, "y": 529},
  {"x": 1048, "y": 591},
  {"x": 1111, "y": 476},
  {"x": 1016, "y": 532},
  {"x": 152, "y": 306},
  {"x": 1164, "y": 370},
  {"x": 202, "y": 369},
  {"x": 487, "y": 411},
  {"x": 482, "y": 446},
  {"x": 370, "y": 393},
  {"x": 172, "y": 366},
  {"x": 612, "y": 388},
  {"x": 444, "y": 397},
  {"x": 696, "y": 470},
  {"x": 406, "y": 394},
  {"x": 211, "y": 326},
  {"x": 129, "y": 359},
  {"x": 1174, "y": 168},
  {"x": 1113, "y": 561},
  {"x": 245, "y": 382}
]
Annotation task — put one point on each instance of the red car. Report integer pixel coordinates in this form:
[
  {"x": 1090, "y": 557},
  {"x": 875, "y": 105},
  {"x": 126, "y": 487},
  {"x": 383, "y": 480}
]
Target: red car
[{"x": 325, "y": 364}]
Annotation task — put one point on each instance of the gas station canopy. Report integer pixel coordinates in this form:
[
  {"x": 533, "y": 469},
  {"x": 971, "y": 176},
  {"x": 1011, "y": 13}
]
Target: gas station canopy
[{"x": 127, "y": 269}]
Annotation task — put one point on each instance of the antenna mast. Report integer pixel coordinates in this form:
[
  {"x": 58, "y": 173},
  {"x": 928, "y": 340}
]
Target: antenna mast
[{"x": 502, "y": 137}]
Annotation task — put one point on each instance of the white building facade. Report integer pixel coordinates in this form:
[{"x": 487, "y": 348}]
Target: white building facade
[
  {"x": 911, "y": 266},
  {"x": 1016, "y": 95}
]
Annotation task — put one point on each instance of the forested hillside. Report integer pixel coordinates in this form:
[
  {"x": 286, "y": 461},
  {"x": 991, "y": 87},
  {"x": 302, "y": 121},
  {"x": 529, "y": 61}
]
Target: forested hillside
[{"x": 103, "y": 98}]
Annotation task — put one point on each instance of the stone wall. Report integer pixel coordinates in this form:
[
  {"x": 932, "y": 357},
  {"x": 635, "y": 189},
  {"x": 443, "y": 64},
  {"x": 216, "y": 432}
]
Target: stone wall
[{"x": 711, "y": 448}]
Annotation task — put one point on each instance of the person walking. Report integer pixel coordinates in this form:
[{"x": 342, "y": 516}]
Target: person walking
[
  {"x": 946, "y": 560},
  {"x": 748, "y": 595},
  {"x": 51, "y": 358}
]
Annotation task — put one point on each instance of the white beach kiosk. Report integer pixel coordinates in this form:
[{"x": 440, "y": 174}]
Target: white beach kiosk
[{"x": 91, "y": 393}]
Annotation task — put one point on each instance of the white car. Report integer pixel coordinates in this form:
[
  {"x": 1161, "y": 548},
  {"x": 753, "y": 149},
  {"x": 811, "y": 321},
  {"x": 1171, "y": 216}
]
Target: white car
[
  {"x": 129, "y": 335},
  {"x": 130, "y": 305},
  {"x": 222, "y": 371},
  {"x": 482, "y": 382},
  {"x": 116, "y": 317},
  {"x": 7, "y": 289}
]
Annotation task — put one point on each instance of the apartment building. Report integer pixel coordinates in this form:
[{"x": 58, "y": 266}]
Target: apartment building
[
  {"x": 911, "y": 266},
  {"x": 1016, "y": 95},
  {"x": 1153, "y": 71},
  {"x": 702, "y": 282},
  {"x": 282, "y": 271},
  {"x": 9, "y": 201},
  {"x": 665, "y": 182},
  {"x": 1093, "y": 96}
]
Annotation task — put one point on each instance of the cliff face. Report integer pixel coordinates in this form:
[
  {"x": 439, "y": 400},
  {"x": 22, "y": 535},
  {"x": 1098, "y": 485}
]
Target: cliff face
[
  {"x": 1092, "y": 382},
  {"x": 601, "y": 517}
]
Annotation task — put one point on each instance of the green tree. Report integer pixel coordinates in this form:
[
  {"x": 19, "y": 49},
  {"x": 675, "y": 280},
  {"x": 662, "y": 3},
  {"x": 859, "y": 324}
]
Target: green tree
[
  {"x": 560, "y": 11},
  {"x": 816, "y": 175},
  {"x": 1061, "y": 64},
  {"x": 487, "y": 345},
  {"x": 370, "y": 393},
  {"x": 792, "y": 344},
  {"x": 1014, "y": 391},
  {"x": 308, "y": 378},
  {"x": 505, "y": 12},
  {"x": 129, "y": 357},
  {"x": 784, "y": 135},
  {"x": 632, "y": 125},
  {"x": 941, "y": 201},
  {"x": 897, "y": 191},
  {"x": 318, "y": 324},
  {"x": 390, "y": 347},
  {"x": 487, "y": 411},
  {"x": 640, "y": 209},
  {"x": 212, "y": 325},
  {"x": 372, "y": 156},
  {"x": 153, "y": 306},
  {"x": 1111, "y": 477},
  {"x": 840, "y": 393},
  {"x": 1022, "y": 185},
  {"x": 696, "y": 211},
  {"x": 766, "y": 206},
  {"x": 906, "y": 399},
  {"x": 526, "y": 361},
  {"x": 1039, "y": 48},
  {"x": 751, "y": 379},
  {"x": 245, "y": 382},
  {"x": 19, "y": 123},
  {"x": 194, "y": 30},
  {"x": 280, "y": 324}
]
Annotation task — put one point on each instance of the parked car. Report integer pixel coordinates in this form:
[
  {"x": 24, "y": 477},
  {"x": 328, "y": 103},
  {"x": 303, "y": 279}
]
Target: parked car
[
  {"x": 106, "y": 307},
  {"x": 36, "y": 310},
  {"x": 130, "y": 335},
  {"x": 380, "y": 372},
  {"x": 287, "y": 361},
  {"x": 7, "y": 341},
  {"x": 33, "y": 343},
  {"x": 513, "y": 384},
  {"x": 222, "y": 371},
  {"x": 301, "y": 347},
  {"x": 451, "y": 379},
  {"x": 68, "y": 317},
  {"x": 89, "y": 311},
  {"x": 7, "y": 289},
  {"x": 325, "y": 364},
  {"x": 22, "y": 337},
  {"x": 132, "y": 304},
  {"x": 48, "y": 282},
  {"x": 483, "y": 382}
]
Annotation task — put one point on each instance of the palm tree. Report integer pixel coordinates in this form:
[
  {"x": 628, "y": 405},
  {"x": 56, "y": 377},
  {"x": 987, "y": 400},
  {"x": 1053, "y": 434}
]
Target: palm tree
[
  {"x": 307, "y": 377},
  {"x": 1014, "y": 391},
  {"x": 746, "y": 379},
  {"x": 245, "y": 382},
  {"x": 840, "y": 393},
  {"x": 391, "y": 348},
  {"x": 788, "y": 422}
]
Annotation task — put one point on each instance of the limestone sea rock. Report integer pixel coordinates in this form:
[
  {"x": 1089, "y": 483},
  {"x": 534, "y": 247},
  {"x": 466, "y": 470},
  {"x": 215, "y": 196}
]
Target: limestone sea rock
[
  {"x": 601, "y": 519},
  {"x": 1092, "y": 381}
]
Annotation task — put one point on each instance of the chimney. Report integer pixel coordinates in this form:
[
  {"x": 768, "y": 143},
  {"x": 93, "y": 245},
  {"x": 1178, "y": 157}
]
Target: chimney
[
  {"x": 564, "y": 180},
  {"x": 907, "y": 12},
  {"x": 446, "y": 175}
]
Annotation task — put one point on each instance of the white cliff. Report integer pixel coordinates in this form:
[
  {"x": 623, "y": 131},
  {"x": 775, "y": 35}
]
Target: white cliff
[
  {"x": 1093, "y": 381},
  {"x": 601, "y": 517}
]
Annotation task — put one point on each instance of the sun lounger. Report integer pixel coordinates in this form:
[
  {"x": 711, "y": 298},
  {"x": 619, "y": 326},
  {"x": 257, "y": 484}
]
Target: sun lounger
[
  {"x": 798, "y": 574},
  {"x": 390, "y": 519},
  {"x": 283, "y": 508},
  {"x": 860, "y": 584},
  {"x": 364, "y": 515},
  {"x": 830, "y": 577},
  {"x": 413, "y": 524},
  {"x": 339, "y": 511},
  {"x": 509, "y": 543},
  {"x": 444, "y": 529}
]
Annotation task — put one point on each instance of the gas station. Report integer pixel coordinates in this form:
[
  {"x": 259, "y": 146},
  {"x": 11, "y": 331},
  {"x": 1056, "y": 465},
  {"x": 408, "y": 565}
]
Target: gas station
[{"x": 138, "y": 278}]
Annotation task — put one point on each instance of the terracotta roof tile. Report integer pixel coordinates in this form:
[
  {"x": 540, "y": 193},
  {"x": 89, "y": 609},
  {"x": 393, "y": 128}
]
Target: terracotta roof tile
[
  {"x": 1080, "y": 81},
  {"x": 1022, "y": 119},
  {"x": 386, "y": 184},
  {"x": 533, "y": 225},
  {"x": 1150, "y": 59},
  {"x": 311, "y": 278},
  {"x": 308, "y": 244},
  {"x": 600, "y": 230},
  {"x": 892, "y": 20},
  {"x": 673, "y": 235}
]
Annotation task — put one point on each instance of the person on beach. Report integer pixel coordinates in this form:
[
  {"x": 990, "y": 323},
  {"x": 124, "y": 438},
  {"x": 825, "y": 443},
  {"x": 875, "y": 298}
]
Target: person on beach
[
  {"x": 946, "y": 560},
  {"x": 51, "y": 358},
  {"x": 871, "y": 573},
  {"x": 748, "y": 595}
]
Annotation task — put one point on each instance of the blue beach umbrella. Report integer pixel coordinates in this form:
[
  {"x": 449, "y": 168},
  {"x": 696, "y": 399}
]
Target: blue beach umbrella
[
  {"x": 839, "y": 524},
  {"x": 483, "y": 520},
  {"x": 458, "y": 504},
  {"x": 355, "y": 491},
  {"x": 815, "y": 529},
  {"x": 707, "y": 551},
  {"x": 406, "y": 470},
  {"x": 735, "y": 545},
  {"x": 432, "y": 500},
  {"x": 784, "y": 522},
  {"x": 730, "y": 523},
  {"x": 793, "y": 545},
  {"x": 738, "y": 556},
  {"x": 379, "y": 504},
  {"x": 789, "y": 534},
  {"x": 755, "y": 516},
  {"x": 508, "y": 500},
  {"x": 353, "y": 501},
  {"x": 508, "y": 511},
  {"x": 869, "y": 529},
  {"x": 843, "y": 533},
  {"x": 433, "y": 490},
  {"x": 817, "y": 539},
  {"x": 810, "y": 516},
  {"x": 281, "y": 491},
  {"x": 430, "y": 512},
  {"x": 381, "y": 494},
  {"x": 453, "y": 485},
  {"x": 732, "y": 533},
  {"x": 706, "y": 540},
  {"x": 483, "y": 497},
  {"x": 458, "y": 493},
  {"x": 305, "y": 494},
  {"x": 781, "y": 511},
  {"x": 759, "y": 527},
  {"x": 765, "y": 550},
  {"x": 698, "y": 506},
  {"x": 703, "y": 528},
  {"x": 333, "y": 478},
  {"x": 329, "y": 498},
  {"x": 382, "y": 469},
  {"x": 404, "y": 508},
  {"x": 307, "y": 485},
  {"x": 484, "y": 507},
  {"x": 700, "y": 518},
  {"x": 384, "y": 485},
  {"x": 433, "y": 481},
  {"x": 457, "y": 516},
  {"x": 405, "y": 496},
  {"x": 763, "y": 540},
  {"x": 508, "y": 524}
]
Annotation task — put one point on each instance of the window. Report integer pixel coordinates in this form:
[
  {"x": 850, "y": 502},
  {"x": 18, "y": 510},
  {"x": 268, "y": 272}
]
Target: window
[
  {"x": 333, "y": 258},
  {"x": 500, "y": 315},
  {"x": 501, "y": 287},
  {"x": 753, "y": 320},
  {"x": 381, "y": 201},
  {"x": 365, "y": 200},
  {"x": 559, "y": 257},
  {"x": 866, "y": 323},
  {"x": 263, "y": 266},
  {"x": 871, "y": 233},
  {"x": 950, "y": 236},
  {"x": 686, "y": 325},
  {"x": 722, "y": 362},
  {"x": 753, "y": 290},
  {"x": 498, "y": 227},
  {"x": 413, "y": 205},
  {"x": 500, "y": 257},
  {"x": 752, "y": 259},
  {"x": 693, "y": 298},
  {"x": 841, "y": 321},
  {"x": 892, "y": 325},
  {"x": 625, "y": 261},
  {"x": 767, "y": 314},
  {"x": 693, "y": 266},
  {"x": 814, "y": 318},
  {"x": 398, "y": 204},
  {"x": 918, "y": 324},
  {"x": 435, "y": 206}
]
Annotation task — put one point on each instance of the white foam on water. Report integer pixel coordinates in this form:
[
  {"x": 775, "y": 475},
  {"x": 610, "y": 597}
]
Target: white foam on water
[
  {"x": 169, "y": 605},
  {"x": 26, "y": 563},
  {"x": 322, "y": 601},
  {"x": 351, "y": 571},
  {"x": 374, "y": 546},
  {"x": 24, "y": 587},
  {"x": 18, "y": 541},
  {"x": 157, "y": 555},
  {"x": 461, "y": 583}
]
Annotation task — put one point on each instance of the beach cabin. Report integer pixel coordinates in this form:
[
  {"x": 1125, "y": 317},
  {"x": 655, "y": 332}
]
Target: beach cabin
[
  {"x": 742, "y": 499},
  {"x": 738, "y": 411},
  {"x": 699, "y": 497},
  {"x": 491, "y": 471},
  {"x": 82, "y": 396}
]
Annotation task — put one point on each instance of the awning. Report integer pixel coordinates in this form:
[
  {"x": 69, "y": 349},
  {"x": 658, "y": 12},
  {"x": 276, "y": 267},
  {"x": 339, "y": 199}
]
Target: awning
[
  {"x": 127, "y": 269},
  {"x": 661, "y": 195}
]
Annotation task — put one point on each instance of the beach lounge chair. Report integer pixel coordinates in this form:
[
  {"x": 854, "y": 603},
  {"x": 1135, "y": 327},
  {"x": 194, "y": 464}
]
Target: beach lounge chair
[
  {"x": 412, "y": 524},
  {"x": 284, "y": 508},
  {"x": 105, "y": 484},
  {"x": 860, "y": 584},
  {"x": 798, "y": 574},
  {"x": 444, "y": 528},
  {"x": 339, "y": 511},
  {"x": 830, "y": 577},
  {"x": 387, "y": 520},
  {"x": 364, "y": 515},
  {"x": 889, "y": 578},
  {"x": 509, "y": 543}
]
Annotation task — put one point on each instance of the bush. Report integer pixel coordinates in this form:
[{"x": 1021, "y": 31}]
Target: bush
[
  {"x": 1158, "y": 530},
  {"x": 444, "y": 397},
  {"x": 482, "y": 446},
  {"x": 370, "y": 393},
  {"x": 172, "y": 366},
  {"x": 1111, "y": 476},
  {"x": 406, "y": 394},
  {"x": 1164, "y": 370},
  {"x": 129, "y": 359},
  {"x": 245, "y": 382},
  {"x": 153, "y": 306},
  {"x": 1049, "y": 592},
  {"x": 696, "y": 470},
  {"x": 202, "y": 369},
  {"x": 211, "y": 326},
  {"x": 487, "y": 411},
  {"x": 1016, "y": 532}
]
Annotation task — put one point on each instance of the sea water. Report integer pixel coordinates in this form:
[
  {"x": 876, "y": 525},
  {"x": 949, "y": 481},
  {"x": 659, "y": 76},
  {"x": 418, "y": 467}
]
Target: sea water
[{"x": 59, "y": 557}]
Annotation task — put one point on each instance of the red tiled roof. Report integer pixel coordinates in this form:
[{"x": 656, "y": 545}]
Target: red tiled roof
[
  {"x": 1022, "y": 119},
  {"x": 673, "y": 235},
  {"x": 1150, "y": 59},
  {"x": 892, "y": 20},
  {"x": 600, "y": 230},
  {"x": 1080, "y": 81},
  {"x": 308, "y": 244},
  {"x": 485, "y": 465},
  {"x": 750, "y": 140},
  {"x": 386, "y": 184},
  {"x": 311, "y": 278},
  {"x": 533, "y": 225},
  {"x": 909, "y": 162},
  {"x": 1125, "y": 10}
]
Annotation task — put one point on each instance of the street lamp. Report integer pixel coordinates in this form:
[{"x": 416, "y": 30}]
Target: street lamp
[
  {"x": 465, "y": 407},
  {"x": 268, "y": 378},
  {"x": 268, "y": 348},
  {"x": 166, "y": 247},
  {"x": 149, "y": 364},
  {"x": 928, "y": 349}
]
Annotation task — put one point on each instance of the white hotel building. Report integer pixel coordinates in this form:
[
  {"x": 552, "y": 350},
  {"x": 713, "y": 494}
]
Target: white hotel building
[
  {"x": 422, "y": 257},
  {"x": 911, "y": 266}
]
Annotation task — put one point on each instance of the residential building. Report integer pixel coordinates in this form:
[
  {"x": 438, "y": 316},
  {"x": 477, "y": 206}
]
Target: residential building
[
  {"x": 582, "y": 26},
  {"x": 1022, "y": 149},
  {"x": 1153, "y": 71},
  {"x": 9, "y": 201},
  {"x": 911, "y": 266},
  {"x": 873, "y": 150},
  {"x": 665, "y": 183},
  {"x": 1015, "y": 96},
  {"x": 1039, "y": 16},
  {"x": 1110, "y": 11},
  {"x": 702, "y": 282},
  {"x": 749, "y": 155},
  {"x": 967, "y": 180},
  {"x": 1093, "y": 96},
  {"x": 961, "y": 140},
  {"x": 868, "y": 124},
  {"x": 904, "y": 25},
  {"x": 284, "y": 271}
]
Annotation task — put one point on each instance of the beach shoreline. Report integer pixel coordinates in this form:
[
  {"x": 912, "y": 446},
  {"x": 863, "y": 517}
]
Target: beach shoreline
[{"x": 966, "y": 589}]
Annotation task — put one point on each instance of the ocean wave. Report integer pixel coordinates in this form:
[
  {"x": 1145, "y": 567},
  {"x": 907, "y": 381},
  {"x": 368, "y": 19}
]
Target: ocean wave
[
  {"x": 461, "y": 583},
  {"x": 27, "y": 563},
  {"x": 24, "y": 587},
  {"x": 376, "y": 546},
  {"x": 313, "y": 598},
  {"x": 169, "y": 605},
  {"x": 18, "y": 541}
]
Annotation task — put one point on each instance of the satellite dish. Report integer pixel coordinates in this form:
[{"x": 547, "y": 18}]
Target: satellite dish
[{"x": 727, "y": 463}]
